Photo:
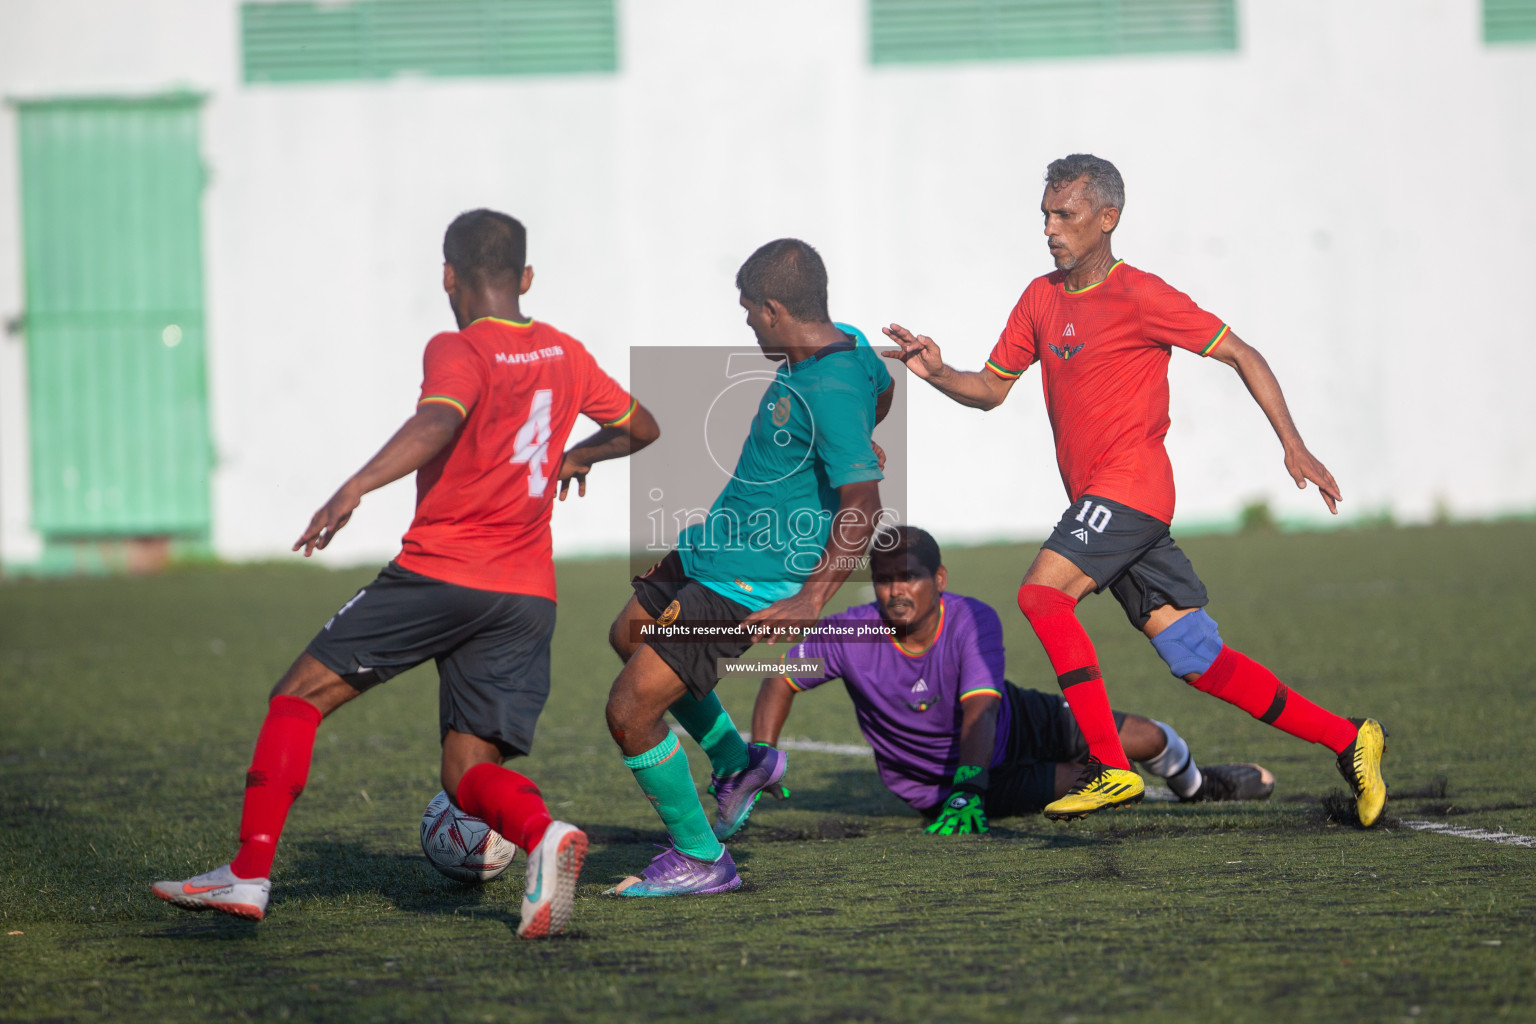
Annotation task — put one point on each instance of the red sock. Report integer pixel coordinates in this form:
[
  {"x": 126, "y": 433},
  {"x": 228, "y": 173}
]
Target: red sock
[
  {"x": 279, "y": 769},
  {"x": 1239, "y": 680},
  {"x": 1050, "y": 613},
  {"x": 510, "y": 803}
]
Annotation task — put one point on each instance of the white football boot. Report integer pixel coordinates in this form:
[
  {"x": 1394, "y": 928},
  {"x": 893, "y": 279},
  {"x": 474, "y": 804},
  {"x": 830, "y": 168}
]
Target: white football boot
[
  {"x": 550, "y": 891},
  {"x": 220, "y": 890}
]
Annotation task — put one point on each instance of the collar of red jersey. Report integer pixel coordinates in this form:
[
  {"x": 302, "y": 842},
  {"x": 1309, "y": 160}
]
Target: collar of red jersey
[
  {"x": 499, "y": 320},
  {"x": 1091, "y": 287}
]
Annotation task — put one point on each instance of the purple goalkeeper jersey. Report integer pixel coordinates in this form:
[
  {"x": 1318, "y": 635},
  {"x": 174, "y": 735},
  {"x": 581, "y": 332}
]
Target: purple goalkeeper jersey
[{"x": 908, "y": 705}]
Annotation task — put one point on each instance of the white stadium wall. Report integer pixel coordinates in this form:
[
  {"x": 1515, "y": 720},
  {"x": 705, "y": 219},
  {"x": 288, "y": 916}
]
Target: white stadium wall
[{"x": 1350, "y": 190}]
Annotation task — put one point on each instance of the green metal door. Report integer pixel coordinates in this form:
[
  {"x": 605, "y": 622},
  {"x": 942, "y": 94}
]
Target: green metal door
[{"x": 112, "y": 244}]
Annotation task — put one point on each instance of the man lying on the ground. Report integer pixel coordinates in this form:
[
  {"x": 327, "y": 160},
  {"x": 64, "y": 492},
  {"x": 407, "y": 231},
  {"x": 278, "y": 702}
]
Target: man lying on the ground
[{"x": 951, "y": 737}]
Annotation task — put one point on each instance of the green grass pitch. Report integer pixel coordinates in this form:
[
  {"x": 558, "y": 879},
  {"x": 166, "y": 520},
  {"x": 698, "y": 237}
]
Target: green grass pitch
[{"x": 130, "y": 706}]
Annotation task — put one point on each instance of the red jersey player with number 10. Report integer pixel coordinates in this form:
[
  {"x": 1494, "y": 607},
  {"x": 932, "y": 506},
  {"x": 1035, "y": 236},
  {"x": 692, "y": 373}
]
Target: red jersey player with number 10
[
  {"x": 473, "y": 587},
  {"x": 1103, "y": 333}
]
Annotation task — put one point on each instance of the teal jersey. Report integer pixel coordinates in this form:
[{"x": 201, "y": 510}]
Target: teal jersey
[{"x": 810, "y": 436}]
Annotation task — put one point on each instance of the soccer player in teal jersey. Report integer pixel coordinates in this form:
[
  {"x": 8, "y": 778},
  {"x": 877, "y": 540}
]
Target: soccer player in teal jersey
[{"x": 794, "y": 520}]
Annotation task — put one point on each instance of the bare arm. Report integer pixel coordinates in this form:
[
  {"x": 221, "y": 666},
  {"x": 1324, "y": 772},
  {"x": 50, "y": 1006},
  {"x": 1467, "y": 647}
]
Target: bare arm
[
  {"x": 1254, "y": 369},
  {"x": 883, "y": 403},
  {"x": 964, "y": 812},
  {"x": 852, "y": 527},
  {"x": 978, "y": 729},
  {"x": 774, "y": 699},
  {"x": 979, "y": 389},
  {"x": 413, "y": 446},
  {"x": 608, "y": 443}
]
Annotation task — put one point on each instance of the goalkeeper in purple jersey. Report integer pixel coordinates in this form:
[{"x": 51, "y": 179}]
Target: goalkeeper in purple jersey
[{"x": 950, "y": 735}]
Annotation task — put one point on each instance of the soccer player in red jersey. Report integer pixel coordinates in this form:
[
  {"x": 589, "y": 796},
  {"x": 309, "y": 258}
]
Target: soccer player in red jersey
[
  {"x": 1103, "y": 333},
  {"x": 473, "y": 586}
]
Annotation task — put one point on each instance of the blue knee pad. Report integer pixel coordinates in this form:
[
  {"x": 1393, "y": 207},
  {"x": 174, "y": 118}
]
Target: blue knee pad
[{"x": 1190, "y": 644}]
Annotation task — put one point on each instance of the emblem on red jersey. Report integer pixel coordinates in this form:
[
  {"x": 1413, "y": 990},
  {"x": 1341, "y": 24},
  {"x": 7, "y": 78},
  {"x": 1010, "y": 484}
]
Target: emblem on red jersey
[{"x": 1066, "y": 350}]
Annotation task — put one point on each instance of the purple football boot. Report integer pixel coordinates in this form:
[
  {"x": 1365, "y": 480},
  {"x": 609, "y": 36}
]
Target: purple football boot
[
  {"x": 674, "y": 873},
  {"x": 736, "y": 794}
]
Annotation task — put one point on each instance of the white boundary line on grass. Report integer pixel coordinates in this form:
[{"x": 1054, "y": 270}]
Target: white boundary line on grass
[
  {"x": 1464, "y": 832},
  {"x": 815, "y": 746}
]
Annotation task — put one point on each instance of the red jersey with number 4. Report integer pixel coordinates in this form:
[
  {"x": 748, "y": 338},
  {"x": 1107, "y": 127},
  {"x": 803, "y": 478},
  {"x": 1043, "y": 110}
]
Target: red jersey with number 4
[
  {"x": 483, "y": 503},
  {"x": 1103, "y": 354}
]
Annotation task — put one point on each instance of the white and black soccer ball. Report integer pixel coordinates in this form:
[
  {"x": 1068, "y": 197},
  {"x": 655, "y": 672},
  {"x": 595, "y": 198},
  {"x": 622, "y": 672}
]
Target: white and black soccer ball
[{"x": 462, "y": 846}]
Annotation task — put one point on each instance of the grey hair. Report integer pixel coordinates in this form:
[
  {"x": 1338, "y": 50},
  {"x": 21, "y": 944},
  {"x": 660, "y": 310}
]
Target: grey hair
[{"x": 1104, "y": 182}]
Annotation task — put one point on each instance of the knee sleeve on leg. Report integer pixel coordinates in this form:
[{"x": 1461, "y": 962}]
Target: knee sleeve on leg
[{"x": 1189, "y": 645}]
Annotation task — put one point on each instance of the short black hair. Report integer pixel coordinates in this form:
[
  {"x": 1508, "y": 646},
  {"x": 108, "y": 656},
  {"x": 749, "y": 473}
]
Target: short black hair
[
  {"x": 789, "y": 271},
  {"x": 901, "y": 541},
  {"x": 485, "y": 247}
]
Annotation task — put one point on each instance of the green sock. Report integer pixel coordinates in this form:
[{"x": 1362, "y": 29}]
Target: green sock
[
  {"x": 710, "y": 727},
  {"x": 663, "y": 775}
]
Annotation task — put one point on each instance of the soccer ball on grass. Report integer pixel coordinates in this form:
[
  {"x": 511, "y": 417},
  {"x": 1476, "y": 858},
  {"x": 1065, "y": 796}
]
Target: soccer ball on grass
[{"x": 462, "y": 846}]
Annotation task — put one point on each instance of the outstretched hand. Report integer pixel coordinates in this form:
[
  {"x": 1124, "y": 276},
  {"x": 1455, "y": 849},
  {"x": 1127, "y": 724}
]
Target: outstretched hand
[
  {"x": 333, "y": 515},
  {"x": 1303, "y": 466},
  {"x": 918, "y": 352},
  {"x": 964, "y": 813}
]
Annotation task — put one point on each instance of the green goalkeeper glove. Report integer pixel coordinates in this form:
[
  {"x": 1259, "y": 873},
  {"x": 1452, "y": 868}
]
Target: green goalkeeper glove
[{"x": 965, "y": 811}]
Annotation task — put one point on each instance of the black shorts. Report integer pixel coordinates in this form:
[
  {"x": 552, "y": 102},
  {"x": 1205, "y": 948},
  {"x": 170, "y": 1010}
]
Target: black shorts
[
  {"x": 671, "y": 598},
  {"x": 1129, "y": 552},
  {"x": 492, "y": 650},
  {"x": 1042, "y": 734}
]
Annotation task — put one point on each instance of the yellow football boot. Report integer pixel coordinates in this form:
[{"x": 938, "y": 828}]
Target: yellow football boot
[
  {"x": 1360, "y": 764},
  {"x": 1099, "y": 786}
]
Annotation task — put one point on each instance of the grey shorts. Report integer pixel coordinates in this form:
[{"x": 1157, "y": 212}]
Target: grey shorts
[
  {"x": 1131, "y": 553},
  {"x": 491, "y": 649}
]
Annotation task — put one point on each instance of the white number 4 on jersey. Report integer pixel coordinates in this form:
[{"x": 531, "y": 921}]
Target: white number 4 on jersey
[{"x": 532, "y": 443}]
